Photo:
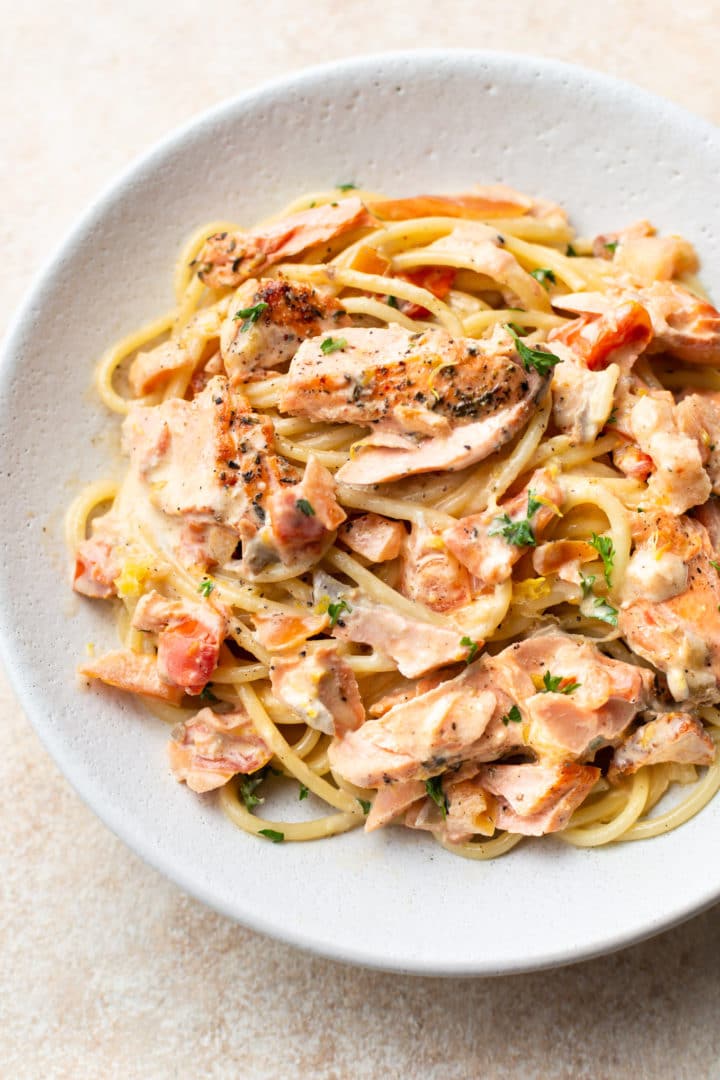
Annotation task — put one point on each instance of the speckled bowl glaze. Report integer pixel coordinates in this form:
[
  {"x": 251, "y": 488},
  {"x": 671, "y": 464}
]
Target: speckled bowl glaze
[{"x": 404, "y": 123}]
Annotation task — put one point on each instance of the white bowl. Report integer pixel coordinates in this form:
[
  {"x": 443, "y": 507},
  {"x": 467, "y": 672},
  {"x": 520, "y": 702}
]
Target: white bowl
[{"x": 404, "y": 123}]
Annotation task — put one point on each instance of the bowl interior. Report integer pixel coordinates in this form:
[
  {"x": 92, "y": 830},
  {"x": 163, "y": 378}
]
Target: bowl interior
[{"x": 401, "y": 123}]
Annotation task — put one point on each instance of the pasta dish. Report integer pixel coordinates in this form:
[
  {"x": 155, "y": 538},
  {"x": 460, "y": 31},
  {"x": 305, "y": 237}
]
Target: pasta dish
[{"x": 420, "y": 522}]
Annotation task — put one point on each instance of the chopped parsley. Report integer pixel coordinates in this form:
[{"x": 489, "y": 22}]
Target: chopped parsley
[
  {"x": 605, "y": 611},
  {"x": 206, "y": 586},
  {"x": 365, "y": 804},
  {"x": 586, "y": 583},
  {"x": 436, "y": 793},
  {"x": 392, "y": 301},
  {"x": 553, "y": 684},
  {"x": 250, "y": 315},
  {"x": 571, "y": 252},
  {"x": 472, "y": 648},
  {"x": 305, "y": 507},
  {"x": 274, "y": 835},
  {"x": 346, "y": 187},
  {"x": 715, "y": 564},
  {"x": 539, "y": 359},
  {"x": 207, "y": 695},
  {"x": 512, "y": 716},
  {"x": 330, "y": 344},
  {"x": 520, "y": 533},
  {"x": 612, "y": 418},
  {"x": 336, "y": 609},
  {"x": 606, "y": 550},
  {"x": 303, "y": 792},
  {"x": 543, "y": 275},
  {"x": 247, "y": 787},
  {"x": 610, "y": 246}
]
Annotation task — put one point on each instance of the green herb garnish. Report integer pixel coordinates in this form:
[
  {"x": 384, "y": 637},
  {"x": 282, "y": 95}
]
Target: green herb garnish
[
  {"x": 472, "y": 648},
  {"x": 520, "y": 533},
  {"x": 207, "y": 695},
  {"x": 552, "y": 684},
  {"x": 274, "y": 835},
  {"x": 336, "y": 609},
  {"x": 346, "y": 187},
  {"x": 539, "y": 359},
  {"x": 330, "y": 345},
  {"x": 365, "y": 804},
  {"x": 605, "y": 611},
  {"x": 206, "y": 586},
  {"x": 392, "y": 301},
  {"x": 305, "y": 507},
  {"x": 571, "y": 252},
  {"x": 247, "y": 787},
  {"x": 512, "y": 716},
  {"x": 606, "y": 550},
  {"x": 436, "y": 793},
  {"x": 303, "y": 792},
  {"x": 715, "y": 564},
  {"x": 543, "y": 275},
  {"x": 250, "y": 315},
  {"x": 611, "y": 245}
]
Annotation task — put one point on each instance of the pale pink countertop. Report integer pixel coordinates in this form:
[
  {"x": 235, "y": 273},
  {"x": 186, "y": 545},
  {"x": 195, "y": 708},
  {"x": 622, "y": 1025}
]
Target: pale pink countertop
[{"x": 109, "y": 971}]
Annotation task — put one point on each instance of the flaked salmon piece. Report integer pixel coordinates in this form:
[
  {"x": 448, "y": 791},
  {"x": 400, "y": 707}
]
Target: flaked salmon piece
[
  {"x": 709, "y": 516},
  {"x": 574, "y": 698},
  {"x": 434, "y": 402},
  {"x": 490, "y": 543},
  {"x": 698, "y": 416},
  {"x": 633, "y": 462},
  {"x": 211, "y": 748},
  {"x": 617, "y": 336},
  {"x": 431, "y": 574},
  {"x": 321, "y": 688},
  {"x": 683, "y": 324},
  {"x": 645, "y": 260},
  {"x": 150, "y": 370},
  {"x": 391, "y": 801},
  {"x": 563, "y": 558},
  {"x": 438, "y": 280},
  {"x": 467, "y": 812},
  {"x": 421, "y": 738},
  {"x": 96, "y": 568},
  {"x": 302, "y": 520},
  {"x": 416, "y": 647},
  {"x": 605, "y": 245},
  {"x": 231, "y": 258},
  {"x": 204, "y": 545},
  {"x": 209, "y": 460},
  {"x": 189, "y": 638},
  {"x": 495, "y": 200},
  {"x": 679, "y": 480},
  {"x": 407, "y": 693},
  {"x": 582, "y": 400},
  {"x": 135, "y": 672},
  {"x": 674, "y": 736},
  {"x": 278, "y": 316},
  {"x": 477, "y": 247},
  {"x": 680, "y": 634},
  {"x": 537, "y": 799},
  {"x": 377, "y": 538},
  {"x": 287, "y": 631}
]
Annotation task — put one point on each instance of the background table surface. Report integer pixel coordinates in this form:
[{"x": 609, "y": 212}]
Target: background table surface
[{"x": 106, "y": 969}]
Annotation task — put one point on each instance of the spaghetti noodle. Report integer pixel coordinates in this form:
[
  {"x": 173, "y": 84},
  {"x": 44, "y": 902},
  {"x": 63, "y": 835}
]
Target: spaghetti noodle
[{"x": 420, "y": 517}]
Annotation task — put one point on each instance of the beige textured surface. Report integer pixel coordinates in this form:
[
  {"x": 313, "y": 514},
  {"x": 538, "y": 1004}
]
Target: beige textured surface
[{"x": 107, "y": 970}]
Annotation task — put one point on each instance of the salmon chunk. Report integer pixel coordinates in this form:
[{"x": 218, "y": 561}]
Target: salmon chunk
[
  {"x": 373, "y": 536},
  {"x": 674, "y": 736},
  {"x": 189, "y": 638},
  {"x": 96, "y": 567},
  {"x": 150, "y": 370},
  {"x": 321, "y": 688},
  {"x": 537, "y": 799},
  {"x": 490, "y": 543},
  {"x": 698, "y": 415},
  {"x": 416, "y": 647},
  {"x": 229, "y": 258},
  {"x": 283, "y": 631},
  {"x": 433, "y": 402},
  {"x": 269, "y": 319},
  {"x": 678, "y": 480},
  {"x": 431, "y": 574},
  {"x": 135, "y": 672},
  {"x": 209, "y": 749},
  {"x": 670, "y": 616},
  {"x": 391, "y": 801}
]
